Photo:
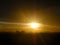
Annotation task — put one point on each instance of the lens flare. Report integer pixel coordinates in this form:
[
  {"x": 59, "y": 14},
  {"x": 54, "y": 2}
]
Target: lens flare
[{"x": 34, "y": 25}]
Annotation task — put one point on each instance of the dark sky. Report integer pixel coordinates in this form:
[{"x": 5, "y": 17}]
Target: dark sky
[{"x": 48, "y": 12}]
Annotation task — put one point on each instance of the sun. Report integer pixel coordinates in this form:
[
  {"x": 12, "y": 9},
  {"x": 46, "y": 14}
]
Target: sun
[{"x": 34, "y": 25}]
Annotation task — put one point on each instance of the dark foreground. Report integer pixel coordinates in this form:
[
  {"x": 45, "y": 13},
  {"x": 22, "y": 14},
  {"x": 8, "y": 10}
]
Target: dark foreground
[{"x": 21, "y": 38}]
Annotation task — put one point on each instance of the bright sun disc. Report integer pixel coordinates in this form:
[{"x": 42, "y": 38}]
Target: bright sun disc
[{"x": 34, "y": 25}]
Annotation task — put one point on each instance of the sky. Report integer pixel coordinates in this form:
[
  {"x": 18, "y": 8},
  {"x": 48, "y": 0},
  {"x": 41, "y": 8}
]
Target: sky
[{"x": 46, "y": 12}]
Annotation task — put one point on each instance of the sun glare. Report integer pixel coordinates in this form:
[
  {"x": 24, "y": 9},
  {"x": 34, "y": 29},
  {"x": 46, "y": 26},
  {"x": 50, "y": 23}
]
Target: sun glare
[{"x": 34, "y": 25}]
